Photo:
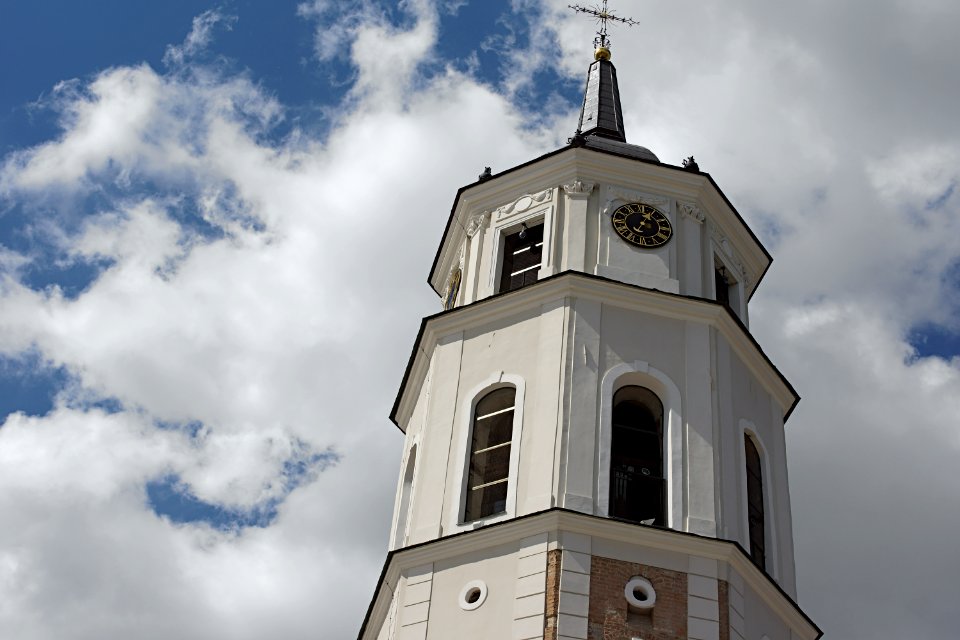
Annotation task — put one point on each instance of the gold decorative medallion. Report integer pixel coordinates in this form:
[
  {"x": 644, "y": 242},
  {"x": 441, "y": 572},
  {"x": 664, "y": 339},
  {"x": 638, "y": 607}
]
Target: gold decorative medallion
[
  {"x": 453, "y": 288},
  {"x": 642, "y": 225}
]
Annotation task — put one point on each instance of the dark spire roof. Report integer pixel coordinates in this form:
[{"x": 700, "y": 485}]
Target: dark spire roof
[
  {"x": 601, "y": 119},
  {"x": 601, "y": 114}
]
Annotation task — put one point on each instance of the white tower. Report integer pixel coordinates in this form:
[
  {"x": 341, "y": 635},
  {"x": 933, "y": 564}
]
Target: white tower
[{"x": 594, "y": 441}]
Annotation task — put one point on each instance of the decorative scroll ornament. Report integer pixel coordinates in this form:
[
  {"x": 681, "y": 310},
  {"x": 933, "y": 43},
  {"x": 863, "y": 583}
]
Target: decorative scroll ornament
[
  {"x": 578, "y": 188},
  {"x": 725, "y": 245},
  {"x": 523, "y": 203},
  {"x": 693, "y": 212},
  {"x": 619, "y": 194},
  {"x": 476, "y": 223}
]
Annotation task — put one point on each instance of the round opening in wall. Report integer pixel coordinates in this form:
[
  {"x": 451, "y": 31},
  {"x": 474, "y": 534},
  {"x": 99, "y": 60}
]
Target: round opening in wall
[
  {"x": 640, "y": 594},
  {"x": 473, "y": 595}
]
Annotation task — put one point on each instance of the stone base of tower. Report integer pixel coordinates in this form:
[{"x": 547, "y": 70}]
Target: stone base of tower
[{"x": 561, "y": 575}]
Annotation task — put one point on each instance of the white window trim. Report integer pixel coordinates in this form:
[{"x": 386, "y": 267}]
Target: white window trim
[
  {"x": 511, "y": 224},
  {"x": 717, "y": 253},
  {"x": 398, "y": 517},
  {"x": 771, "y": 557},
  {"x": 642, "y": 374},
  {"x": 464, "y": 429}
]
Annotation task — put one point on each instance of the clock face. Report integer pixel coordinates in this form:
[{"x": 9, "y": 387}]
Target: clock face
[{"x": 642, "y": 225}]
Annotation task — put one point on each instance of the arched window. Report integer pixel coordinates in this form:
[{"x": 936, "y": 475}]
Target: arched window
[
  {"x": 755, "y": 514},
  {"x": 405, "y": 491},
  {"x": 489, "y": 471},
  {"x": 637, "y": 483}
]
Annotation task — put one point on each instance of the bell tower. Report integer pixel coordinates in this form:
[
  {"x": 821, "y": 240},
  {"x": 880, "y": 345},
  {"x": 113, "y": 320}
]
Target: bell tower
[{"x": 594, "y": 442}]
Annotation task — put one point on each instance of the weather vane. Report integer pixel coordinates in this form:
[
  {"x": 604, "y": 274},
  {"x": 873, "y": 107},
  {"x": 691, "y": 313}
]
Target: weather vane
[{"x": 602, "y": 16}]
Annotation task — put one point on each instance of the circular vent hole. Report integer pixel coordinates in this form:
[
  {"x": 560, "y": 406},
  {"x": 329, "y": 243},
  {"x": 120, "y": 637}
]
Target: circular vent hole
[
  {"x": 473, "y": 595},
  {"x": 640, "y": 595}
]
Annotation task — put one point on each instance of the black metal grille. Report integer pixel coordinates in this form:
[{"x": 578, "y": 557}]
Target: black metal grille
[{"x": 637, "y": 495}]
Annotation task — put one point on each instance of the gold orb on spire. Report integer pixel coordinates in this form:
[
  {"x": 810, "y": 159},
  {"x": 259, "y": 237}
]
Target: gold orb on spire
[{"x": 602, "y": 53}]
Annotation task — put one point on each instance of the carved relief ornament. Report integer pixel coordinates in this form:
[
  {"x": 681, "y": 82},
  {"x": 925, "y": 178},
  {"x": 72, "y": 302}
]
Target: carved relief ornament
[
  {"x": 692, "y": 211},
  {"x": 524, "y": 203},
  {"x": 578, "y": 188},
  {"x": 726, "y": 247},
  {"x": 476, "y": 223}
]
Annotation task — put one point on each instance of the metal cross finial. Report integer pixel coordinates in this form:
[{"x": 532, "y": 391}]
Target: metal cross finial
[{"x": 602, "y": 15}]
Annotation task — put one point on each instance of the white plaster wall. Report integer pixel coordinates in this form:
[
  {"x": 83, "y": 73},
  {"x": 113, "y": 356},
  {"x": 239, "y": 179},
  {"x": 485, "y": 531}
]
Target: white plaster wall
[
  {"x": 498, "y": 568},
  {"x": 619, "y": 260},
  {"x": 412, "y": 437},
  {"x": 760, "y": 621},
  {"x": 561, "y": 350},
  {"x": 746, "y": 406},
  {"x": 579, "y": 236}
]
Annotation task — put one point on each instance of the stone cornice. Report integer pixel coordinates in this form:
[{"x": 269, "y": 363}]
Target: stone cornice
[
  {"x": 576, "y": 284},
  {"x": 568, "y": 165}
]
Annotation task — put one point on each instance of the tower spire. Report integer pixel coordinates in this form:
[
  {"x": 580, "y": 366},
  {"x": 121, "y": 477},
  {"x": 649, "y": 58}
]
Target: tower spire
[
  {"x": 602, "y": 16},
  {"x": 601, "y": 114}
]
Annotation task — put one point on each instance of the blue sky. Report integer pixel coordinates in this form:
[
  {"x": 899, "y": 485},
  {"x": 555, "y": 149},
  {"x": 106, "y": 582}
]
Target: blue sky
[
  {"x": 215, "y": 225},
  {"x": 268, "y": 42}
]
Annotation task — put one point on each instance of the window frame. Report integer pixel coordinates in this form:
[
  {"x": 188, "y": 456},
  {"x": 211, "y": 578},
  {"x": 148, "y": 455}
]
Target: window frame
[
  {"x": 531, "y": 210},
  {"x": 507, "y": 230},
  {"x": 510, "y": 232},
  {"x": 752, "y": 458},
  {"x": 402, "y": 519},
  {"x": 771, "y": 551},
  {"x": 660, "y": 436},
  {"x": 472, "y": 453},
  {"x": 641, "y": 374},
  {"x": 464, "y": 425},
  {"x": 735, "y": 290}
]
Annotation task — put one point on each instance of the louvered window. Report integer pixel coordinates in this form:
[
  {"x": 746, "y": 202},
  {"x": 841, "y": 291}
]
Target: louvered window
[
  {"x": 522, "y": 258},
  {"x": 489, "y": 472}
]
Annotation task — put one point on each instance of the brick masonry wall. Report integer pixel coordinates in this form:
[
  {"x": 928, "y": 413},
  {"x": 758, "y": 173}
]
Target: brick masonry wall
[
  {"x": 610, "y": 617},
  {"x": 724, "y": 610},
  {"x": 553, "y": 595}
]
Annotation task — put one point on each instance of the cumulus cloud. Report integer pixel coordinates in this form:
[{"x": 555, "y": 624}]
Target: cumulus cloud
[
  {"x": 255, "y": 294},
  {"x": 222, "y": 329}
]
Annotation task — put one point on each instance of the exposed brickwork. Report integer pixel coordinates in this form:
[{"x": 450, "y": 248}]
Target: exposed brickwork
[
  {"x": 609, "y": 616},
  {"x": 553, "y": 595},
  {"x": 724, "y": 591}
]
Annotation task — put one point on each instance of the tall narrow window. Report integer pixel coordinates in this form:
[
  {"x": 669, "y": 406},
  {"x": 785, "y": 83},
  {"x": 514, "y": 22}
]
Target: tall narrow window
[
  {"x": 405, "y": 491},
  {"x": 489, "y": 472},
  {"x": 637, "y": 484},
  {"x": 722, "y": 286},
  {"x": 522, "y": 257},
  {"x": 755, "y": 515}
]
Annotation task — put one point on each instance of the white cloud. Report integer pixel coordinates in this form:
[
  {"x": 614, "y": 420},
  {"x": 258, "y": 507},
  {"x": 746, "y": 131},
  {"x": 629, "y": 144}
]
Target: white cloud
[
  {"x": 199, "y": 37},
  {"x": 247, "y": 291}
]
